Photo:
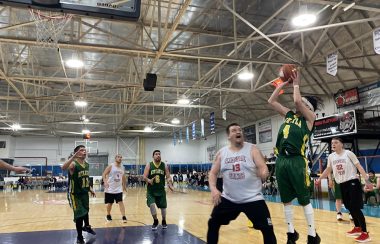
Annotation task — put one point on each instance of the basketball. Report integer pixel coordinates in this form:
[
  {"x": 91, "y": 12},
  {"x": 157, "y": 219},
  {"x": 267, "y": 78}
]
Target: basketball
[{"x": 286, "y": 72}]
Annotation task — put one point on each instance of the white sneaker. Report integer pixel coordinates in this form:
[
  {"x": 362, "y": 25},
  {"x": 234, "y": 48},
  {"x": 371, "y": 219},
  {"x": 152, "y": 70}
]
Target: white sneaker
[{"x": 339, "y": 216}]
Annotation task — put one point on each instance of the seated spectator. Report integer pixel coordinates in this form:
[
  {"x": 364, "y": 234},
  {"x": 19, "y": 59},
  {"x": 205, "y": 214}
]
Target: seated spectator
[{"x": 372, "y": 197}]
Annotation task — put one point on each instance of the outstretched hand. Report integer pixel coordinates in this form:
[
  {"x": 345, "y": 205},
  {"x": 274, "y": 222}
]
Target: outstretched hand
[{"x": 296, "y": 77}]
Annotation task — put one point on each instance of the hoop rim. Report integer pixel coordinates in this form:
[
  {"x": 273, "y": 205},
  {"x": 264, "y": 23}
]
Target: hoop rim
[{"x": 40, "y": 15}]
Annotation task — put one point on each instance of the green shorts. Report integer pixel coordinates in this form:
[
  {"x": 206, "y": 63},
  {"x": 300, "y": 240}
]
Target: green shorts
[
  {"x": 80, "y": 204},
  {"x": 159, "y": 200},
  {"x": 293, "y": 179},
  {"x": 337, "y": 191}
]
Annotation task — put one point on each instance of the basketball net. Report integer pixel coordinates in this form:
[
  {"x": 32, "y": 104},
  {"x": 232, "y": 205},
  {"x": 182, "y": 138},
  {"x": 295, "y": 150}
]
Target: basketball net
[{"x": 49, "y": 26}]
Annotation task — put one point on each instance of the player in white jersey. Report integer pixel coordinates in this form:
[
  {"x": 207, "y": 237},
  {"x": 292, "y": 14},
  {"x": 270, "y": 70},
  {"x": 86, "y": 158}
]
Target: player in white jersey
[
  {"x": 114, "y": 184},
  {"x": 243, "y": 168},
  {"x": 344, "y": 165}
]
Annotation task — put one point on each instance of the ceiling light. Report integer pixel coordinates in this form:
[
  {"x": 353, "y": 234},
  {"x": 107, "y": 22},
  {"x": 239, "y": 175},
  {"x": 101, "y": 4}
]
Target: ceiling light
[
  {"x": 80, "y": 103},
  {"x": 74, "y": 63},
  {"x": 148, "y": 129},
  {"x": 303, "y": 20},
  {"x": 183, "y": 101},
  {"x": 175, "y": 121},
  {"x": 15, "y": 126},
  {"x": 245, "y": 75},
  {"x": 85, "y": 131}
]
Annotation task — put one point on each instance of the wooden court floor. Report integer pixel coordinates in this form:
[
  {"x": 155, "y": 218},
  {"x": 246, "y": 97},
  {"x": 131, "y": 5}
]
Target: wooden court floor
[{"x": 36, "y": 210}]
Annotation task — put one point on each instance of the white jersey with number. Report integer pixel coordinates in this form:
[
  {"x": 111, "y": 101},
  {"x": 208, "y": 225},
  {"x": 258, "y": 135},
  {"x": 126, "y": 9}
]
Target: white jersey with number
[
  {"x": 343, "y": 166},
  {"x": 115, "y": 179},
  {"x": 240, "y": 181}
]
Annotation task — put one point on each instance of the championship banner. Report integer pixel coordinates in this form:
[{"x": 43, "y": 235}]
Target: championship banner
[
  {"x": 174, "y": 138},
  {"x": 187, "y": 135},
  {"x": 335, "y": 125},
  {"x": 180, "y": 136},
  {"x": 346, "y": 98},
  {"x": 202, "y": 128},
  {"x": 376, "y": 40},
  {"x": 265, "y": 131},
  {"x": 212, "y": 122},
  {"x": 224, "y": 114},
  {"x": 332, "y": 64},
  {"x": 193, "y": 131}
]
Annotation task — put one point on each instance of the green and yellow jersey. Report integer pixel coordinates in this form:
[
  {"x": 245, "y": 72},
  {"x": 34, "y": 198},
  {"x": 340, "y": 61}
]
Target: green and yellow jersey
[
  {"x": 293, "y": 136},
  {"x": 157, "y": 174},
  {"x": 79, "y": 180}
]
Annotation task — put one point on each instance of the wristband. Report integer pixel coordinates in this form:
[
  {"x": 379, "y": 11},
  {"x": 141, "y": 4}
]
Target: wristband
[{"x": 296, "y": 86}]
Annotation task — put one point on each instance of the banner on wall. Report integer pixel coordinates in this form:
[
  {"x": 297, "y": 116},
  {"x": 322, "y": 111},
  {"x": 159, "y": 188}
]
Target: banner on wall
[
  {"x": 193, "y": 131},
  {"x": 202, "y": 128},
  {"x": 180, "y": 136},
  {"x": 347, "y": 97},
  {"x": 174, "y": 138},
  {"x": 376, "y": 40},
  {"x": 332, "y": 64},
  {"x": 250, "y": 133},
  {"x": 369, "y": 96},
  {"x": 265, "y": 131},
  {"x": 187, "y": 135},
  {"x": 224, "y": 114},
  {"x": 212, "y": 122},
  {"x": 335, "y": 125},
  {"x": 211, "y": 152}
]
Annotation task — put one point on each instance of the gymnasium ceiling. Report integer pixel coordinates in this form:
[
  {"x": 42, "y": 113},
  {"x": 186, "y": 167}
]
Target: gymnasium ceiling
[{"x": 196, "y": 48}]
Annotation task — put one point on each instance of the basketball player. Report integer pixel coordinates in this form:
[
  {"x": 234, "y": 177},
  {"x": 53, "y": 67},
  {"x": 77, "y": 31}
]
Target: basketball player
[
  {"x": 16, "y": 169},
  {"x": 291, "y": 164},
  {"x": 154, "y": 175},
  {"x": 243, "y": 168},
  {"x": 79, "y": 186},
  {"x": 344, "y": 165},
  {"x": 338, "y": 198},
  {"x": 114, "y": 184}
]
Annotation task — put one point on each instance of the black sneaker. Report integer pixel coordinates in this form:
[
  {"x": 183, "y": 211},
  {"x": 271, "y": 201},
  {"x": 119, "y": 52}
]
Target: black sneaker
[
  {"x": 292, "y": 237},
  {"x": 88, "y": 229},
  {"x": 164, "y": 225},
  {"x": 80, "y": 240},
  {"x": 109, "y": 218},
  {"x": 155, "y": 224},
  {"x": 124, "y": 219},
  {"x": 313, "y": 240}
]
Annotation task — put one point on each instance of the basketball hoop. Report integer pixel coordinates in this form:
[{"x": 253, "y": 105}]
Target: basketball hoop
[{"x": 49, "y": 26}]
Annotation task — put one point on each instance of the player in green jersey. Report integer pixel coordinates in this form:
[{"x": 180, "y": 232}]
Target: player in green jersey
[
  {"x": 291, "y": 165},
  {"x": 79, "y": 187},
  {"x": 155, "y": 173}
]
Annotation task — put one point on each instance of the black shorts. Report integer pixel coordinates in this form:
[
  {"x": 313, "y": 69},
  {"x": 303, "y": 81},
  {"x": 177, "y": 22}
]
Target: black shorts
[
  {"x": 352, "y": 194},
  {"x": 257, "y": 212},
  {"x": 113, "y": 197}
]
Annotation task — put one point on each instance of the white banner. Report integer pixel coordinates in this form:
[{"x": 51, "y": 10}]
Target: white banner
[
  {"x": 224, "y": 114},
  {"x": 332, "y": 64},
  {"x": 202, "y": 128},
  {"x": 376, "y": 40}
]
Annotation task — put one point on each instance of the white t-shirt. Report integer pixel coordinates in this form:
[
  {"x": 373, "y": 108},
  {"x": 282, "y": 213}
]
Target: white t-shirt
[
  {"x": 240, "y": 181},
  {"x": 115, "y": 179},
  {"x": 343, "y": 166}
]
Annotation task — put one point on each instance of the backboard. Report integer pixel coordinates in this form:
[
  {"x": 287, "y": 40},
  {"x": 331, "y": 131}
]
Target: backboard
[{"x": 111, "y": 9}]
